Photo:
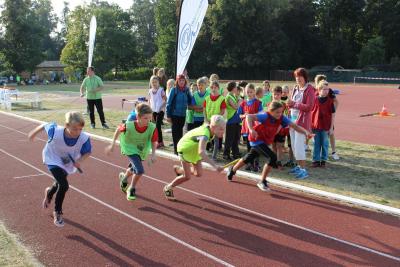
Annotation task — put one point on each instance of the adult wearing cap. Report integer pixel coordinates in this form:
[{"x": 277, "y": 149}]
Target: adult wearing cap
[
  {"x": 93, "y": 85},
  {"x": 179, "y": 101}
]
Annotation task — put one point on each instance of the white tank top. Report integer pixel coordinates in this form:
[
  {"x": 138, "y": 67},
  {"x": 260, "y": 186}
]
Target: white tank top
[
  {"x": 56, "y": 151},
  {"x": 156, "y": 99}
]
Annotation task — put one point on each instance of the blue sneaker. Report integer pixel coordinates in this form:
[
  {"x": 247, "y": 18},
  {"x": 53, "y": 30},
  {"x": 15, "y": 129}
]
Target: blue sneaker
[
  {"x": 302, "y": 174},
  {"x": 295, "y": 170}
]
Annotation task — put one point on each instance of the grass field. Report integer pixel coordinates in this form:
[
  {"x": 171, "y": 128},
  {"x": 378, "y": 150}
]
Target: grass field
[
  {"x": 365, "y": 171},
  {"x": 12, "y": 252}
]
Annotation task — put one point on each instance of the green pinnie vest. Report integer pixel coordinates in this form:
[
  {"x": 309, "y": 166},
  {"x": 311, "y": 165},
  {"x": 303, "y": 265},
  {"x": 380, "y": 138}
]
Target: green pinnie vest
[
  {"x": 230, "y": 111},
  {"x": 188, "y": 146},
  {"x": 134, "y": 143},
  {"x": 213, "y": 107},
  {"x": 199, "y": 102}
]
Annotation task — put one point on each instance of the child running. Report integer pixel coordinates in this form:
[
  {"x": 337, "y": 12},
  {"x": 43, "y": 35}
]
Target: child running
[
  {"x": 192, "y": 152},
  {"x": 261, "y": 137},
  {"x": 66, "y": 148},
  {"x": 137, "y": 139}
]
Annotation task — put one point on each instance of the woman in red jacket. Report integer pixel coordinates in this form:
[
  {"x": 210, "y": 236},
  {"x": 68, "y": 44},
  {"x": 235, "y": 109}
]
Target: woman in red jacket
[{"x": 301, "y": 104}]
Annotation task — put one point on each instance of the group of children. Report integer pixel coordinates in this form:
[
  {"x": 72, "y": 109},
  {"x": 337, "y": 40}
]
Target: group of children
[{"x": 258, "y": 115}]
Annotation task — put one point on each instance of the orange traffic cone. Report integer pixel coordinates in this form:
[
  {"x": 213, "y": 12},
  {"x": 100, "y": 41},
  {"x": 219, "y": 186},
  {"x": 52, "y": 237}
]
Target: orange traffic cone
[{"x": 384, "y": 112}]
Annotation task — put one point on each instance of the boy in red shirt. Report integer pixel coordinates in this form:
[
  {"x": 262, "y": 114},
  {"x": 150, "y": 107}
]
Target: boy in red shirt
[
  {"x": 261, "y": 136},
  {"x": 323, "y": 117}
]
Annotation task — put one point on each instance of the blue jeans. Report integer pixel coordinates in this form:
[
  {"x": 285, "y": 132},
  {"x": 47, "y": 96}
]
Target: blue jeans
[{"x": 321, "y": 145}]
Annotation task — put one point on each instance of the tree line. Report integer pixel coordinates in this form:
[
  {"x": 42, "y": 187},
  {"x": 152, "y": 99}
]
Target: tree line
[{"x": 242, "y": 39}]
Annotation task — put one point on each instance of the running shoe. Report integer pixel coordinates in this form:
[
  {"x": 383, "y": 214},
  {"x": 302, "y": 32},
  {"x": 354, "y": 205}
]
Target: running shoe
[
  {"x": 302, "y": 174},
  {"x": 316, "y": 164},
  {"x": 123, "y": 183},
  {"x": 169, "y": 193},
  {"x": 294, "y": 170},
  {"x": 58, "y": 220},
  {"x": 131, "y": 194},
  {"x": 335, "y": 156},
  {"x": 105, "y": 126},
  {"x": 46, "y": 200},
  {"x": 92, "y": 125},
  {"x": 263, "y": 185},
  {"x": 230, "y": 174},
  {"x": 323, "y": 164}
]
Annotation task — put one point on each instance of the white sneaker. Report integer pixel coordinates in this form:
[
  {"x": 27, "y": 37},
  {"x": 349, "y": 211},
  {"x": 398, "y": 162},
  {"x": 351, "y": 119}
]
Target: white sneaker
[
  {"x": 263, "y": 187},
  {"x": 335, "y": 156}
]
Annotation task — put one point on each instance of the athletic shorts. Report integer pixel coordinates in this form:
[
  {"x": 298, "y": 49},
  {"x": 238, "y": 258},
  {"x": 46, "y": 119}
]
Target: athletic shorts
[
  {"x": 261, "y": 150},
  {"x": 279, "y": 138},
  {"x": 135, "y": 163}
]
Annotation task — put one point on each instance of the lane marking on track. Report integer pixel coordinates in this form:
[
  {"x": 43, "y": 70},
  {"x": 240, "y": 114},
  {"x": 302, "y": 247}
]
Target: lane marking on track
[
  {"x": 354, "y": 245},
  {"x": 28, "y": 176},
  {"x": 151, "y": 227}
]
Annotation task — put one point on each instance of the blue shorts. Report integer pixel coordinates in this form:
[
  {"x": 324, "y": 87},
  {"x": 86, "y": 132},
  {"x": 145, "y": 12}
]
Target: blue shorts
[{"x": 135, "y": 163}]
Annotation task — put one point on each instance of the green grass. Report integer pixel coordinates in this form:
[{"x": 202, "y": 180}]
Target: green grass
[
  {"x": 365, "y": 171},
  {"x": 12, "y": 252},
  {"x": 109, "y": 87}
]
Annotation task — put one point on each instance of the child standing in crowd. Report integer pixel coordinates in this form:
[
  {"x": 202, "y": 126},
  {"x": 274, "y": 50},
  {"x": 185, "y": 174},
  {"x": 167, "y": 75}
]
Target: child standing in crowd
[
  {"x": 267, "y": 96},
  {"x": 233, "y": 126},
  {"x": 162, "y": 77},
  {"x": 261, "y": 136},
  {"x": 215, "y": 78},
  {"x": 214, "y": 104},
  {"x": 250, "y": 106},
  {"x": 323, "y": 118},
  {"x": 170, "y": 85},
  {"x": 284, "y": 99},
  {"x": 137, "y": 139},
  {"x": 332, "y": 96},
  {"x": 279, "y": 139},
  {"x": 198, "y": 102},
  {"x": 190, "y": 112},
  {"x": 67, "y": 147},
  {"x": 260, "y": 94},
  {"x": 192, "y": 152},
  {"x": 157, "y": 100}
]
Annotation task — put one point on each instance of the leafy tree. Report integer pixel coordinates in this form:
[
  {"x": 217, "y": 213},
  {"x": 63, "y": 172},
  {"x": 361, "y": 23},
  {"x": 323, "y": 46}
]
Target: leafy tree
[
  {"x": 166, "y": 18},
  {"x": 143, "y": 18},
  {"x": 373, "y": 52}
]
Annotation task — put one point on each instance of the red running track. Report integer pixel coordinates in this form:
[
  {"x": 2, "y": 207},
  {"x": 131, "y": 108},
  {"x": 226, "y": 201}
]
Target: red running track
[{"x": 214, "y": 222}]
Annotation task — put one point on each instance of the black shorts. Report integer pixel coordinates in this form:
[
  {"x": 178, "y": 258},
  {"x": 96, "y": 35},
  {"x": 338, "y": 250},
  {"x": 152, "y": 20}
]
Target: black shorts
[
  {"x": 279, "y": 138},
  {"x": 261, "y": 150}
]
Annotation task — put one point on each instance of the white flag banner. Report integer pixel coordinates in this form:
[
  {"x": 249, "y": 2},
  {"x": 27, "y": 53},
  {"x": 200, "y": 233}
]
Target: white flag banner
[
  {"x": 191, "y": 18},
  {"x": 92, "y": 37}
]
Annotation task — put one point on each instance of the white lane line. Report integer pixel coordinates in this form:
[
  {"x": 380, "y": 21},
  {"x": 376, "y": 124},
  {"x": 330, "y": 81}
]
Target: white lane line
[
  {"x": 259, "y": 214},
  {"x": 354, "y": 245},
  {"x": 161, "y": 232},
  {"x": 28, "y": 176}
]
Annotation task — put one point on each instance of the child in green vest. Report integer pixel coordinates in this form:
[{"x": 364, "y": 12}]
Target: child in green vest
[
  {"x": 192, "y": 152},
  {"x": 267, "y": 97},
  {"x": 137, "y": 139},
  {"x": 198, "y": 102},
  {"x": 190, "y": 112},
  {"x": 233, "y": 125},
  {"x": 214, "y": 104}
]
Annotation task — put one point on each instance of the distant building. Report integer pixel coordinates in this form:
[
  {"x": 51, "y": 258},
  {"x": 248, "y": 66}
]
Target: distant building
[{"x": 50, "y": 70}]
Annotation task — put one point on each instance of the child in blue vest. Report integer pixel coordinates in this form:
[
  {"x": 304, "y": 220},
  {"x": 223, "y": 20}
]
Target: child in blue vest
[
  {"x": 137, "y": 139},
  {"x": 198, "y": 102},
  {"x": 67, "y": 147},
  {"x": 261, "y": 138},
  {"x": 323, "y": 117}
]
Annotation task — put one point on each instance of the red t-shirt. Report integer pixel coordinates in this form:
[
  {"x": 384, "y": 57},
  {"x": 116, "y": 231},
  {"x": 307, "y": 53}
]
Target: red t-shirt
[
  {"x": 154, "y": 138},
  {"x": 214, "y": 98}
]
